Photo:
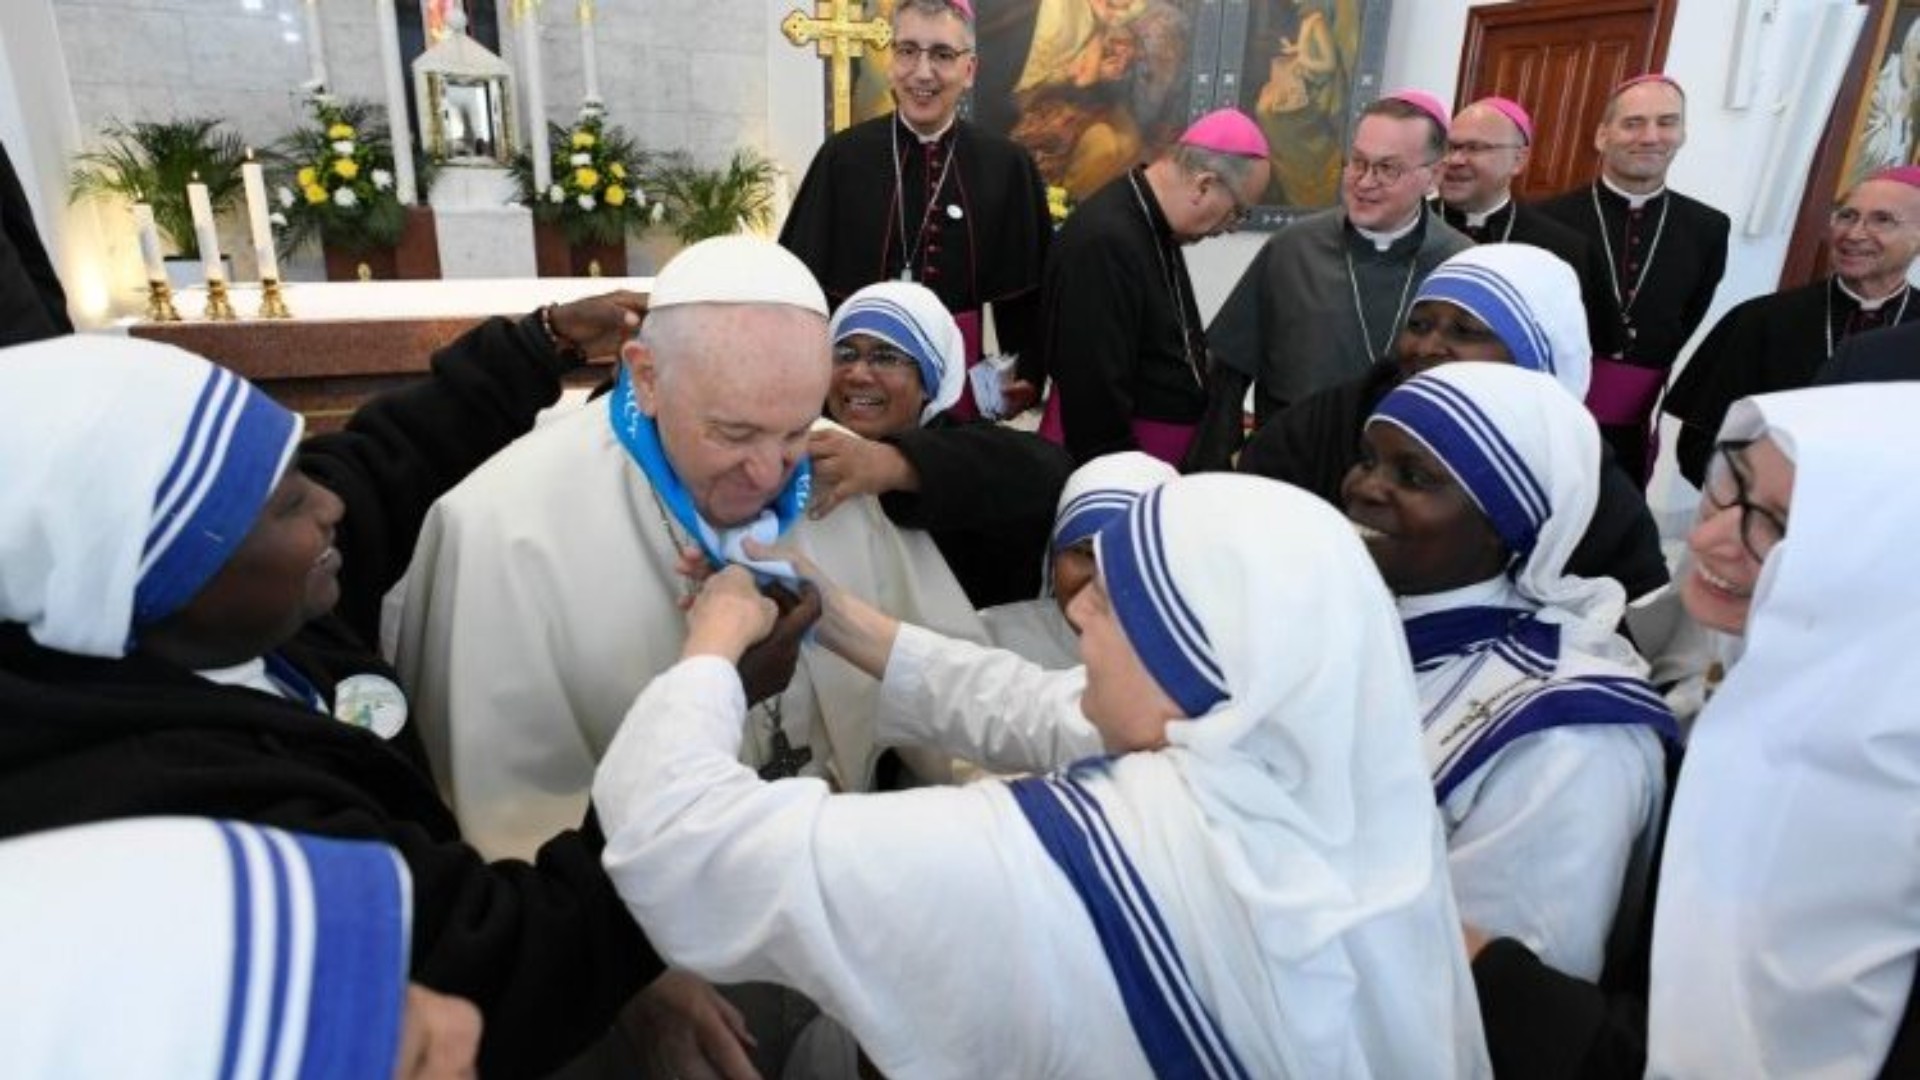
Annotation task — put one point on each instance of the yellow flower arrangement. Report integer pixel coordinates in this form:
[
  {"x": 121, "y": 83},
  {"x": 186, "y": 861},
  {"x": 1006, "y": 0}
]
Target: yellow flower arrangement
[
  {"x": 339, "y": 131},
  {"x": 307, "y": 177},
  {"x": 346, "y": 168},
  {"x": 589, "y": 194},
  {"x": 315, "y": 193},
  {"x": 337, "y": 180}
]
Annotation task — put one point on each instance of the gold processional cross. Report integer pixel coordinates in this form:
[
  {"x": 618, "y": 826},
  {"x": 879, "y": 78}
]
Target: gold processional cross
[{"x": 841, "y": 37}]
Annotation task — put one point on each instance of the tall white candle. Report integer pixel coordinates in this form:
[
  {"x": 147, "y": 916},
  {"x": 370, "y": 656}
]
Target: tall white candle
[
  {"x": 536, "y": 97},
  {"x": 203, "y": 232},
  {"x": 316, "y": 46},
  {"x": 405, "y": 187},
  {"x": 589, "y": 59},
  {"x": 149, "y": 242},
  {"x": 262, "y": 228}
]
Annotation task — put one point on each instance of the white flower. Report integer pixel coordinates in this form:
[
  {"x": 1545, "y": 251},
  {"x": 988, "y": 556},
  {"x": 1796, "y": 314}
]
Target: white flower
[
  {"x": 382, "y": 179},
  {"x": 285, "y": 195},
  {"x": 277, "y": 217},
  {"x": 586, "y": 202},
  {"x": 592, "y": 107},
  {"x": 580, "y": 159},
  {"x": 344, "y": 148},
  {"x": 344, "y": 198},
  {"x": 556, "y": 194},
  {"x": 659, "y": 213}
]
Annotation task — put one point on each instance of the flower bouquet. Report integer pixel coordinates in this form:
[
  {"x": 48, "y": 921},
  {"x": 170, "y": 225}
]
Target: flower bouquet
[
  {"x": 335, "y": 183},
  {"x": 594, "y": 201}
]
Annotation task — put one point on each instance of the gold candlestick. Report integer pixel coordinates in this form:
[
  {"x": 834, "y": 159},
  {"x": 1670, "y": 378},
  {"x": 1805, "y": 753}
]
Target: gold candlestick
[
  {"x": 160, "y": 302},
  {"x": 273, "y": 303},
  {"x": 219, "y": 308}
]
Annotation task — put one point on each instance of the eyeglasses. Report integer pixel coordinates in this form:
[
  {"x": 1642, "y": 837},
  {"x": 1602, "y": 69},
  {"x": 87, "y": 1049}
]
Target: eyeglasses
[
  {"x": 881, "y": 358},
  {"x": 1475, "y": 149},
  {"x": 1727, "y": 487},
  {"x": 1241, "y": 211},
  {"x": 907, "y": 54},
  {"x": 1876, "y": 222},
  {"x": 1388, "y": 171}
]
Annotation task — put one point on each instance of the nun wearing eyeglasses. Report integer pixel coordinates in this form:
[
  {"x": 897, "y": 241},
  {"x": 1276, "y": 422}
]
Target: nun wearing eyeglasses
[
  {"x": 1543, "y": 739},
  {"x": 1250, "y": 882},
  {"x": 1506, "y": 303},
  {"x": 1787, "y": 922},
  {"x": 984, "y": 492}
]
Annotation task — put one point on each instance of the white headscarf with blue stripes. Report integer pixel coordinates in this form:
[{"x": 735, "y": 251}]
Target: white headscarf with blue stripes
[
  {"x": 1530, "y": 299},
  {"x": 130, "y": 472},
  {"x": 1528, "y": 454},
  {"x": 909, "y": 317},
  {"x": 208, "y": 948},
  {"x": 1788, "y": 928},
  {"x": 1255, "y": 606}
]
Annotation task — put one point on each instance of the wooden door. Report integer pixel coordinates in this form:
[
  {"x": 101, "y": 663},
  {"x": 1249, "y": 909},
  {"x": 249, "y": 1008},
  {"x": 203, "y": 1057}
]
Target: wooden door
[{"x": 1560, "y": 58}]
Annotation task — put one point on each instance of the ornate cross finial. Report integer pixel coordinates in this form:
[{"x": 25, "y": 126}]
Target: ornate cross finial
[{"x": 840, "y": 36}]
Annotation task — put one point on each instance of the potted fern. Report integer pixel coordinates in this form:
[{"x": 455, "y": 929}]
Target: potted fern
[
  {"x": 700, "y": 203},
  {"x": 153, "y": 162}
]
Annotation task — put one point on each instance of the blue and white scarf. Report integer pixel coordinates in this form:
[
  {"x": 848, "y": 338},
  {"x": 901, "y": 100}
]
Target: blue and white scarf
[{"x": 641, "y": 438}]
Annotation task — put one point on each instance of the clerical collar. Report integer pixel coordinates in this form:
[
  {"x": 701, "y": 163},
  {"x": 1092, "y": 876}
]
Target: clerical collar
[
  {"x": 1383, "y": 240},
  {"x": 1634, "y": 201},
  {"x": 1865, "y": 304},
  {"x": 1475, "y": 221},
  {"x": 1496, "y": 591},
  {"x": 936, "y": 136}
]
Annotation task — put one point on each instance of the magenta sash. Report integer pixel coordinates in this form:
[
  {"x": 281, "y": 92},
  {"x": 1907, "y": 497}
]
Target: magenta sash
[
  {"x": 1623, "y": 394},
  {"x": 1163, "y": 439}
]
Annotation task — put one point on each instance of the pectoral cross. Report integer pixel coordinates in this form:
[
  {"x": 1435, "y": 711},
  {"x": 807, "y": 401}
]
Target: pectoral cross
[
  {"x": 784, "y": 761},
  {"x": 840, "y": 36}
]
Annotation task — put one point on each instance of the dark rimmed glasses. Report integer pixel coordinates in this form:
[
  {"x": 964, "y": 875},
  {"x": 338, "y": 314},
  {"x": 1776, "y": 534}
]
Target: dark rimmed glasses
[{"x": 1729, "y": 484}]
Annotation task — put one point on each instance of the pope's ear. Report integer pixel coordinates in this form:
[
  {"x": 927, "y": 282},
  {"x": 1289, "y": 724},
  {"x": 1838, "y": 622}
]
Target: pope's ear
[{"x": 643, "y": 368}]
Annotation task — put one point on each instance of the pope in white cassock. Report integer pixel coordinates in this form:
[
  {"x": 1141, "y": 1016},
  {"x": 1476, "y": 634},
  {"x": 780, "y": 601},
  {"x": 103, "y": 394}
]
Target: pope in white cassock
[{"x": 543, "y": 594}]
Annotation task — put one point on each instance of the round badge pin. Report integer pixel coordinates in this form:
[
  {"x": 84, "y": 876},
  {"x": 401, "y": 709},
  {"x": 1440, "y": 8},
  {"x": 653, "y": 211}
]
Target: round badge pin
[{"x": 372, "y": 702}]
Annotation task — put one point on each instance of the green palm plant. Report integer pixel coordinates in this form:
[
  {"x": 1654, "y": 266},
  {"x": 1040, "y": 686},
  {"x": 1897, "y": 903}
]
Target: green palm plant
[
  {"x": 715, "y": 202},
  {"x": 154, "y": 161}
]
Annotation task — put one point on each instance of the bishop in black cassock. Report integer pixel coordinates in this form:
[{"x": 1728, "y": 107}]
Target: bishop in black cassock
[
  {"x": 1781, "y": 341},
  {"x": 963, "y": 213},
  {"x": 1664, "y": 252}
]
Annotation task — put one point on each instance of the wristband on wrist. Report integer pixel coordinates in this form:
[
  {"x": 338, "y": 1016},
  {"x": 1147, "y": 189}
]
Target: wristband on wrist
[{"x": 564, "y": 347}]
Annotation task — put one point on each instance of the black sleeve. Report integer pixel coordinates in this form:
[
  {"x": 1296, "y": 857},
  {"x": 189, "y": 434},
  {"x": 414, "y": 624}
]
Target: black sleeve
[
  {"x": 1016, "y": 317},
  {"x": 1279, "y": 448},
  {"x": 978, "y": 477},
  {"x": 1622, "y": 541},
  {"x": 1713, "y": 256},
  {"x": 1094, "y": 318},
  {"x": 808, "y": 231},
  {"x": 1313, "y": 442},
  {"x": 1234, "y": 335},
  {"x": 1720, "y": 372},
  {"x": 547, "y": 950},
  {"x": 1542, "y": 1024},
  {"x": 406, "y": 448}
]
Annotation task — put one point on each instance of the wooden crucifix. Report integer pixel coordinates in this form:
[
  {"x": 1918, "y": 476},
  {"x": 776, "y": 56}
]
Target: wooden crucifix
[{"x": 841, "y": 34}]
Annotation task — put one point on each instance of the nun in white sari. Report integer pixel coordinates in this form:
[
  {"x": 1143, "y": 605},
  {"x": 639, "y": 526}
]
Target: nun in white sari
[
  {"x": 1788, "y": 920},
  {"x": 1543, "y": 738},
  {"x": 1251, "y": 884}
]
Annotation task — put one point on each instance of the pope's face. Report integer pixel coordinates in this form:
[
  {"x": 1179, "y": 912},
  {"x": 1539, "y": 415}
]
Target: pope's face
[{"x": 734, "y": 402}]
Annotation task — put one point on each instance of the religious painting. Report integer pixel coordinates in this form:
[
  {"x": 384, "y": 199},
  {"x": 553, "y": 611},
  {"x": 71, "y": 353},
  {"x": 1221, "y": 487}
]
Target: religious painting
[
  {"x": 1090, "y": 87},
  {"x": 1888, "y": 120}
]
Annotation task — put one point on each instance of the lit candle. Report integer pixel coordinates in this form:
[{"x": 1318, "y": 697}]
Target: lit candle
[
  {"x": 149, "y": 242},
  {"x": 589, "y": 61},
  {"x": 257, "y": 220},
  {"x": 536, "y": 94},
  {"x": 203, "y": 233},
  {"x": 316, "y": 47}
]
